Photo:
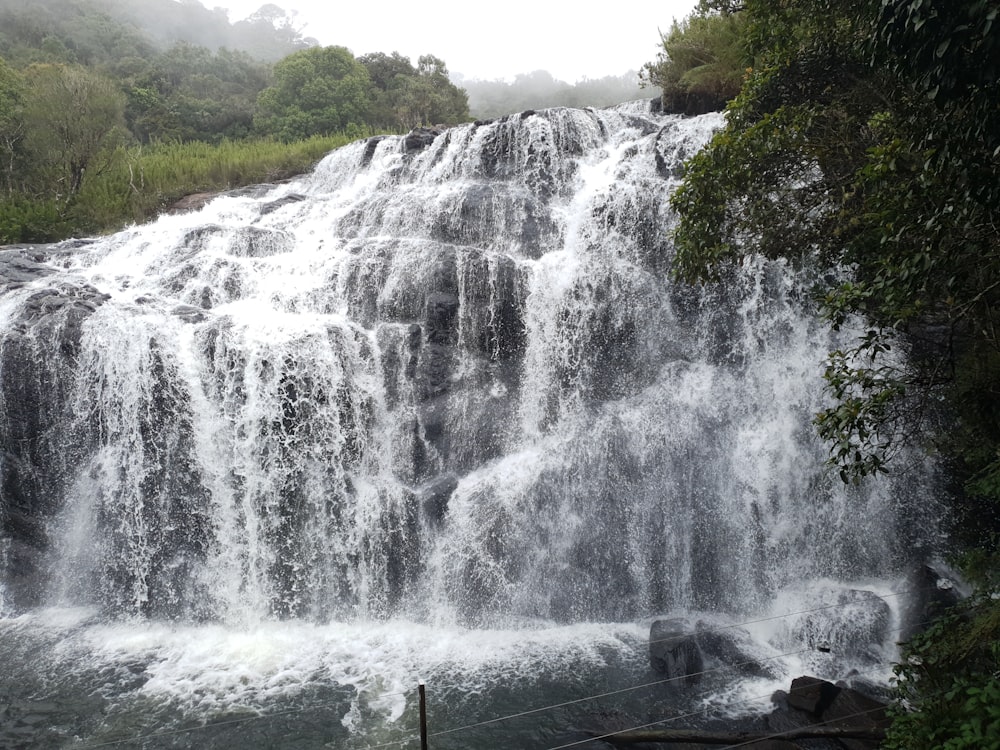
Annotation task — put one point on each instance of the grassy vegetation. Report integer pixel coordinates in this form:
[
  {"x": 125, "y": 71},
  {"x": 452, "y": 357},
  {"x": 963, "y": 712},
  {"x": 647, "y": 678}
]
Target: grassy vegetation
[{"x": 133, "y": 184}]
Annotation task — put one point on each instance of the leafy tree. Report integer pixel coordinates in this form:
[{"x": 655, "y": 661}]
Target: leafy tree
[
  {"x": 431, "y": 98},
  {"x": 11, "y": 123},
  {"x": 317, "y": 91},
  {"x": 73, "y": 117},
  {"x": 388, "y": 74},
  {"x": 406, "y": 96},
  {"x": 702, "y": 63},
  {"x": 190, "y": 93},
  {"x": 385, "y": 70},
  {"x": 949, "y": 678}
]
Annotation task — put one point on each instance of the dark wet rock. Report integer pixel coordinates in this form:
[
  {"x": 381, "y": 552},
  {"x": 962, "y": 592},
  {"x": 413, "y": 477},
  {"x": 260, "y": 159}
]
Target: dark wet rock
[
  {"x": 23, "y": 529},
  {"x": 933, "y": 590},
  {"x": 440, "y": 318},
  {"x": 674, "y": 651},
  {"x": 815, "y": 702},
  {"x": 285, "y": 200},
  {"x": 434, "y": 496},
  {"x": 734, "y": 648},
  {"x": 22, "y": 265},
  {"x": 197, "y": 201},
  {"x": 197, "y": 239},
  {"x": 190, "y": 313},
  {"x": 58, "y": 313},
  {"x": 370, "y": 146},
  {"x": 811, "y": 695},
  {"x": 420, "y": 138},
  {"x": 485, "y": 214},
  {"x": 857, "y": 626},
  {"x": 850, "y": 709},
  {"x": 76, "y": 243},
  {"x": 192, "y": 202},
  {"x": 42, "y": 437},
  {"x": 401, "y": 547}
]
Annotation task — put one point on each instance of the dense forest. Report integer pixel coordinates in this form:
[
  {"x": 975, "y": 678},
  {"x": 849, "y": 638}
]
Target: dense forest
[
  {"x": 862, "y": 141},
  {"x": 112, "y": 109}
]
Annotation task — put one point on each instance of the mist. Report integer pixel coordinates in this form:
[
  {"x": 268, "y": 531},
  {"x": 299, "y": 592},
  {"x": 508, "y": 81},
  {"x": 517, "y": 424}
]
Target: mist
[{"x": 539, "y": 90}]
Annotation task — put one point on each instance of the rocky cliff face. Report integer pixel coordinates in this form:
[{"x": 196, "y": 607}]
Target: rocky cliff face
[{"x": 446, "y": 374}]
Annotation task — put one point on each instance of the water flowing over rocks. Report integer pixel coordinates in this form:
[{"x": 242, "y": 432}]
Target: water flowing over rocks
[{"x": 445, "y": 379}]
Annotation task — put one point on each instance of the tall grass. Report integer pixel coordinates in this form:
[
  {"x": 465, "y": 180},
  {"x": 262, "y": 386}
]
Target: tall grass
[{"x": 135, "y": 183}]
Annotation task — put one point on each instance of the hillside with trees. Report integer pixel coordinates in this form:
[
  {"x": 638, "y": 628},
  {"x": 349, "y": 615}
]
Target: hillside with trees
[
  {"x": 112, "y": 109},
  {"x": 863, "y": 142},
  {"x": 104, "y": 32}
]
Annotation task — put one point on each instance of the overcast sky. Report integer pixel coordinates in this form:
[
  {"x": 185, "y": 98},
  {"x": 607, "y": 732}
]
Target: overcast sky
[{"x": 491, "y": 41}]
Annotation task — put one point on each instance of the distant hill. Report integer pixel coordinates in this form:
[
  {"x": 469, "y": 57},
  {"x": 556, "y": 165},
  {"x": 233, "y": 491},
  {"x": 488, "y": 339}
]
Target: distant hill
[{"x": 102, "y": 32}]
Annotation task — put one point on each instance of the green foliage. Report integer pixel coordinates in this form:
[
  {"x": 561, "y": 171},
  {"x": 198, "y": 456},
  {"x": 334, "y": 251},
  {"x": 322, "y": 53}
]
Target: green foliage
[
  {"x": 99, "y": 33},
  {"x": 189, "y": 93},
  {"x": 429, "y": 98},
  {"x": 946, "y": 49},
  {"x": 142, "y": 181},
  {"x": 325, "y": 90},
  {"x": 99, "y": 116},
  {"x": 72, "y": 118},
  {"x": 405, "y": 96},
  {"x": 948, "y": 683},
  {"x": 24, "y": 219},
  {"x": 316, "y": 91},
  {"x": 702, "y": 64}
]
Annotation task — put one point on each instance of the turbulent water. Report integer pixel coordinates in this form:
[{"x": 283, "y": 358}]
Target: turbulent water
[{"x": 433, "y": 412}]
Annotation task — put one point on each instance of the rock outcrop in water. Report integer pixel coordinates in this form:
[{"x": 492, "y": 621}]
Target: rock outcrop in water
[{"x": 814, "y": 713}]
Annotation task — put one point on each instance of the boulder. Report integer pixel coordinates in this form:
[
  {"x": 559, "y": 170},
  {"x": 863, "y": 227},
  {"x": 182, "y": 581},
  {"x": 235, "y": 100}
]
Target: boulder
[
  {"x": 933, "y": 589},
  {"x": 674, "y": 651},
  {"x": 856, "y": 627},
  {"x": 420, "y": 138},
  {"x": 370, "y": 145},
  {"x": 22, "y": 265},
  {"x": 811, "y": 694},
  {"x": 813, "y": 702},
  {"x": 192, "y": 202},
  {"x": 272, "y": 206},
  {"x": 735, "y": 648}
]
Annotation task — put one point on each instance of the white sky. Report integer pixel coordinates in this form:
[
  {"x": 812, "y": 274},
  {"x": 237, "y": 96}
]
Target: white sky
[{"x": 570, "y": 40}]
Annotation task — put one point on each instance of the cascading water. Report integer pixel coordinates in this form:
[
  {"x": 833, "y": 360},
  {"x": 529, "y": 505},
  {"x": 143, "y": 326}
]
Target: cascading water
[{"x": 434, "y": 411}]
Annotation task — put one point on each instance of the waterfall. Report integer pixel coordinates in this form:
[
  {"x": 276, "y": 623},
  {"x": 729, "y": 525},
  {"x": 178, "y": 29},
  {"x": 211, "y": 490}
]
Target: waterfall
[{"x": 442, "y": 380}]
